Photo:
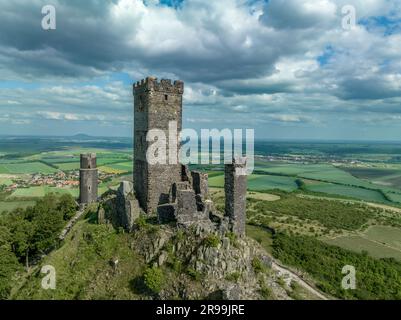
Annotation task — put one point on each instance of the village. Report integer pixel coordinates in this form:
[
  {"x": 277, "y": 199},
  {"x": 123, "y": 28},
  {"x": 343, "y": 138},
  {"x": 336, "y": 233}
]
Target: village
[{"x": 60, "y": 179}]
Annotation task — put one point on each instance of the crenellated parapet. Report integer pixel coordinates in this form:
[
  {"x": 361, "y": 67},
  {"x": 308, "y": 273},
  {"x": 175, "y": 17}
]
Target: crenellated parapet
[{"x": 164, "y": 85}]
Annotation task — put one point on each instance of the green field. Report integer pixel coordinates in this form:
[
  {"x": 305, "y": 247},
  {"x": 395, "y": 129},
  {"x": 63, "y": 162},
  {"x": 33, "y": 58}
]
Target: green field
[
  {"x": 261, "y": 235},
  {"x": 11, "y": 205},
  {"x": 348, "y": 191},
  {"x": 41, "y": 191},
  {"x": 121, "y": 166},
  {"x": 29, "y": 168},
  {"x": 68, "y": 166},
  {"x": 380, "y": 176},
  {"x": 260, "y": 182},
  {"x": 5, "y": 181},
  {"x": 378, "y": 241}
]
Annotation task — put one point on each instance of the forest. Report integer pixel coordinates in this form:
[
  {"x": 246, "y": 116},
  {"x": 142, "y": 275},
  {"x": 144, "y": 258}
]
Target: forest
[{"x": 26, "y": 234}]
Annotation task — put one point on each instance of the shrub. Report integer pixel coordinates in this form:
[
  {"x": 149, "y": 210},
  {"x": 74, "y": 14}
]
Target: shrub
[
  {"x": 257, "y": 265},
  {"x": 141, "y": 222},
  {"x": 194, "y": 274},
  {"x": 212, "y": 241},
  {"x": 154, "y": 279},
  {"x": 233, "y": 238},
  {"x": 234, "y": 277},
  {"x": 265, "y": 291}
]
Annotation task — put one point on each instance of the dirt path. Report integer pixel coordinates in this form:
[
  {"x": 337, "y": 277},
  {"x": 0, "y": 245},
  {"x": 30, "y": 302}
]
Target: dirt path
[{"x": 291, "y": 276}]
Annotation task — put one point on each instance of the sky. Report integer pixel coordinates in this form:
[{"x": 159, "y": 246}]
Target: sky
[{"x": 289, "y": 69}]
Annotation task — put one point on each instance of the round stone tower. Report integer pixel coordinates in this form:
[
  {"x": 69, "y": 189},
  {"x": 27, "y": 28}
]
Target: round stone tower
[{"x": 88, "y": 179}]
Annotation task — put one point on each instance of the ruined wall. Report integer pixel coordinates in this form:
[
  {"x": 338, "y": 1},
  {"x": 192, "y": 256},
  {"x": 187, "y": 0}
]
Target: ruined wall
[
  {"x": 235, "y": 186},
  {"x": 155, "y": 105},
  {"x": 88, "y": 183}
]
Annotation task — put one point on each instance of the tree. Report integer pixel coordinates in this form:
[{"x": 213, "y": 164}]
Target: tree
[
  {"x": 8, "y": 267},
  {"x": 67, "y": 206}
]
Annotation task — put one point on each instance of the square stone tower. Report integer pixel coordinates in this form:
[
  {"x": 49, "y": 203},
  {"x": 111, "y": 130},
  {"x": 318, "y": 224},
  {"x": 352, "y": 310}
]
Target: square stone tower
[
  {"x": 235, "y": 186},
  {"x": 156, "y": 104},
  {"x": 88, "y": 179}
]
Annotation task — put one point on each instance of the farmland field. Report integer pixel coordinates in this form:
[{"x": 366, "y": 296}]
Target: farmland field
[
  {"x": 29, "y": 167},
  {"x": 348, "y": 191},
  {"x": 378, "y": 241},
  {"x": 41, "y": 191},
  {"x": 5, "y": 181},
  {"x": 68, "y": 166},
  {"x": 122, "y": 167},
  {"x": 260, "y": 182}
]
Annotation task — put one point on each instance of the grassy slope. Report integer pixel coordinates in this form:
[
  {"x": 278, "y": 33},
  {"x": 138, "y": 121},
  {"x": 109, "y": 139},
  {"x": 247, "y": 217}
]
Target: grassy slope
[{"x": 83, "y": 267}]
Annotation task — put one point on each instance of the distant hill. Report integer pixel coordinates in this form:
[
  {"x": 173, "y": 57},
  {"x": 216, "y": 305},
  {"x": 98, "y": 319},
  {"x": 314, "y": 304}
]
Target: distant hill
[{"x": 82, "y": 136}]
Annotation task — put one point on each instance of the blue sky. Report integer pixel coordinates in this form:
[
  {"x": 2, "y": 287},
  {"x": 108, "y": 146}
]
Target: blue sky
[{"x": 286, "y": 68}]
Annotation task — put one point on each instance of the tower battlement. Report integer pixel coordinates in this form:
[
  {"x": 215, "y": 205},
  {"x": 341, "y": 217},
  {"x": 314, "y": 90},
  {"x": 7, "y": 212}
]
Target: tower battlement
[
  {"x": 164, "y": 85},
  {"x": 88, "y": 161}
]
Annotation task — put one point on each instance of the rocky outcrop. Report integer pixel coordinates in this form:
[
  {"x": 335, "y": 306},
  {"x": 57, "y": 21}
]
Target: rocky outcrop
[
  {"x": 120, "y": 207},
  {"x": 225, "y": 267}
]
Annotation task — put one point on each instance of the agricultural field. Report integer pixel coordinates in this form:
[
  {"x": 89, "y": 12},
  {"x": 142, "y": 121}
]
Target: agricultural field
[
  {"x": 41, "y": 191},
  {"x": 5, "y": 180},
  {"x": 348, "y": 191},
  {"x": 117, "y": 168},
  {"x": 68, "y": 166},
  {"x": 377, "y": 241},
  {"x": 28, "y": 167},
  {"x": 260, "y": 182}
]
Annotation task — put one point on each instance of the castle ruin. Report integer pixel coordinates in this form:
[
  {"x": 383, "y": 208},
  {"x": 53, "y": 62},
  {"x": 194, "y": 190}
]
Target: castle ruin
[
  {"x": 172, "y": 190},
  {"x": 156, "y": 104},
  {"x": 88, "y": 179}
]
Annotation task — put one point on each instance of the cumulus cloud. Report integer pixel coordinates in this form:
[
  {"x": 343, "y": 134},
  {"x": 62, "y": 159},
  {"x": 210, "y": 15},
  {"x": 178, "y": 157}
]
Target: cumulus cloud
[{"x": 246, "y": 62}]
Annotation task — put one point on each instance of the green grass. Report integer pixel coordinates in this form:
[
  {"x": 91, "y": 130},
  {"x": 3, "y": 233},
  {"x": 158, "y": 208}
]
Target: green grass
[
  {"x": 378, "y": 241},
  {"x": 324, "y": 172},
  {"x": 375, "y": 279},
  {"x": 260, "y": 182},
  {"x": 370, "y": 183},
  {"x": 360, "y": 244},
  {"x": 68, "y": 166},
  {"x": 29, "y": 168},
  {"x": 11, "y": 205},
  {"x": 261, "y": 235},
  {"x": 41, "y": 191},
  {"x": 121, "y": 166},
  {"x": 348, "y": 191},
  {"x": 331, "y": 214},
  {"x": 83, "y": 267},
  {"x": 31, "y": 192},
  {"x": 388, "y": 235},
  {"x": 5, "y": 181}
]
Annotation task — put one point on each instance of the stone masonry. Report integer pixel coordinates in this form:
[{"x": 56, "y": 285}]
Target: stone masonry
[
  {"x": 235, "y": 185},
  {"x": 88, "y": 179},
  {"x": 156, "y": 104},
  {"x": 172, "y": 190}
]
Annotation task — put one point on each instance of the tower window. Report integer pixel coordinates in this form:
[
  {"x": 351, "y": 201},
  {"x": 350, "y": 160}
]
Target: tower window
[{"x": 165, "y": 97}]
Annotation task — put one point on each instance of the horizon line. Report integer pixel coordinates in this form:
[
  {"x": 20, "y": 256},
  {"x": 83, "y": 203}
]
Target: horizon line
[{"x": 338, "y": 140}]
